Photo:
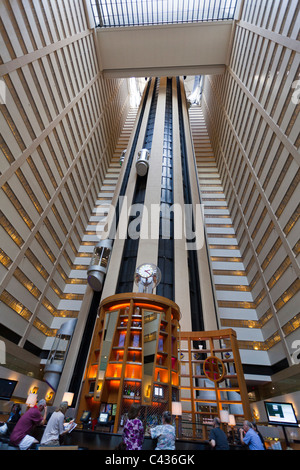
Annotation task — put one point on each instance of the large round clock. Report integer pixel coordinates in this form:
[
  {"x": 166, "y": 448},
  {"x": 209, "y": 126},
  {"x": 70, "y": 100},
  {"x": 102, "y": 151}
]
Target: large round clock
[{"x": 147, "y": 276}]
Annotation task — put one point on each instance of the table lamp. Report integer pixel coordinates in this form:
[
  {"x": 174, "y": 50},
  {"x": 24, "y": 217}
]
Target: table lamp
[
  {"x": 68, "y": 397},
  {"x": 177, "y": 411},
  {"x": 31, "y": 400}
]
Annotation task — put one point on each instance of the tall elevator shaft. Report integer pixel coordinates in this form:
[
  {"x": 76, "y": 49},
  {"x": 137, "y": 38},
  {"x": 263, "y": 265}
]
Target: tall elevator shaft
[{"x": 158, "y": 214}]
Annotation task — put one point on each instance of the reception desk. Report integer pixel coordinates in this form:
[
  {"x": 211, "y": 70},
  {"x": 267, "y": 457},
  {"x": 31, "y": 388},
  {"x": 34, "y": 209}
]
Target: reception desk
[
  {"x": 87, "y": 439},
  {"x": 95, "y": 440}
]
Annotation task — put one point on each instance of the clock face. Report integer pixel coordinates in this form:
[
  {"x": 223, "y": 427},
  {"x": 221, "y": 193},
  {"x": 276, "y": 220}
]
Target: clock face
[
  {"x": 146, "y": 270},
  {"x": 147, "y": 276}
]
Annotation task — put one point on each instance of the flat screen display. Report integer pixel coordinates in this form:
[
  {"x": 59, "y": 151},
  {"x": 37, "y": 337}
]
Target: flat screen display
[
  {"x": 158, "y": 392},
  {"x": 281, "y": 413},
  {"x": 85, "y": 416},
  {"x": 7, "y": 388},
  {"x": 103, "y": 418}
]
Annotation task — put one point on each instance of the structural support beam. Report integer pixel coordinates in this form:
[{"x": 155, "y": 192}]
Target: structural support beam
[{"x": 164, "y": 50}]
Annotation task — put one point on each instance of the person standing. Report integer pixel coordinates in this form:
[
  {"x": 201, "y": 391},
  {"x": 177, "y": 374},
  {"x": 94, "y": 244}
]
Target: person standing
[
  {"x": 164, "y": 433},
  {"x": 21, "y": 434},
  {"x": 217, "y": 437},
  {"x": 133, "y": 433},
  {"x": 250, "y": 438}
]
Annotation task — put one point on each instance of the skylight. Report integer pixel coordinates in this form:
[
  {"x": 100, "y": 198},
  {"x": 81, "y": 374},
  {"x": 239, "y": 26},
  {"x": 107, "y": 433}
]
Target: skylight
[{"x": 111, "y": 13}]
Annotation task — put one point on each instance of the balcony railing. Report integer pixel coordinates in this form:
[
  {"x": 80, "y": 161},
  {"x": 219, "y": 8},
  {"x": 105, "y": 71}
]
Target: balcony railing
[{"x": 116, "y": 13}]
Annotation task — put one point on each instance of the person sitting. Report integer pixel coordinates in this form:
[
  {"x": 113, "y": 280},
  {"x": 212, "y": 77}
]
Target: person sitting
[
  {"x": 21, "y": 434},
  {"x": 249, "y": 437},
  {"x": 15, "y": 413},
  {"x": 55, "y": 427},
  {"x": 217, "y": 437},
  {"x": 14, "y": 416},
  {"x": 254, "y": 426}
]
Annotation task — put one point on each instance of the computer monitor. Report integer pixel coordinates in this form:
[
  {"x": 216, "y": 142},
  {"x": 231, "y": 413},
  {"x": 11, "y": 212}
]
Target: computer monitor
[
  {"x": 281, "y": 413},
  {"x": 7, "y": 388},
  {"x": 85, "y": 417},
  {"x": 103, "y": 418}
]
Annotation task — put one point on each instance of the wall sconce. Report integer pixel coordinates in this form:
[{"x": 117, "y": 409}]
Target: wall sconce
[
  {"x": 49, "y": 396},
  {"x": 31, "y": 400},
  {"x": 68, "y": 397},
  {"x": 147, "y": 391},
  {"x": 99, "y": 383}
]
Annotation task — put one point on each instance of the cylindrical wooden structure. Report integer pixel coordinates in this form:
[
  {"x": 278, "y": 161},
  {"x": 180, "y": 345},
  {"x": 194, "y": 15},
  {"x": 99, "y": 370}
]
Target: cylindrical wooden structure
[{"x": 133, "y": 359}]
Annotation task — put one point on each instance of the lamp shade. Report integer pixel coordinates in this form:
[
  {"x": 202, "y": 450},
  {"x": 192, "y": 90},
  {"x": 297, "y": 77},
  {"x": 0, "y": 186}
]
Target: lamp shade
[
  {"x": 231, "y": 421},
  {"x": 176, "y": 408},
  {"x": 31, "y": 400},
  {"x": 224, "y": 416},
  {"x": 68, "y": 397}
]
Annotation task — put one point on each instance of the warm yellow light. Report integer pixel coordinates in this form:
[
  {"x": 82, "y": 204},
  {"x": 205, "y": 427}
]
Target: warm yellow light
[
  {"x": 153, "y": 307},
  {"x": 118, "y": 306},
  {"x": 49, "y": 396}
]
